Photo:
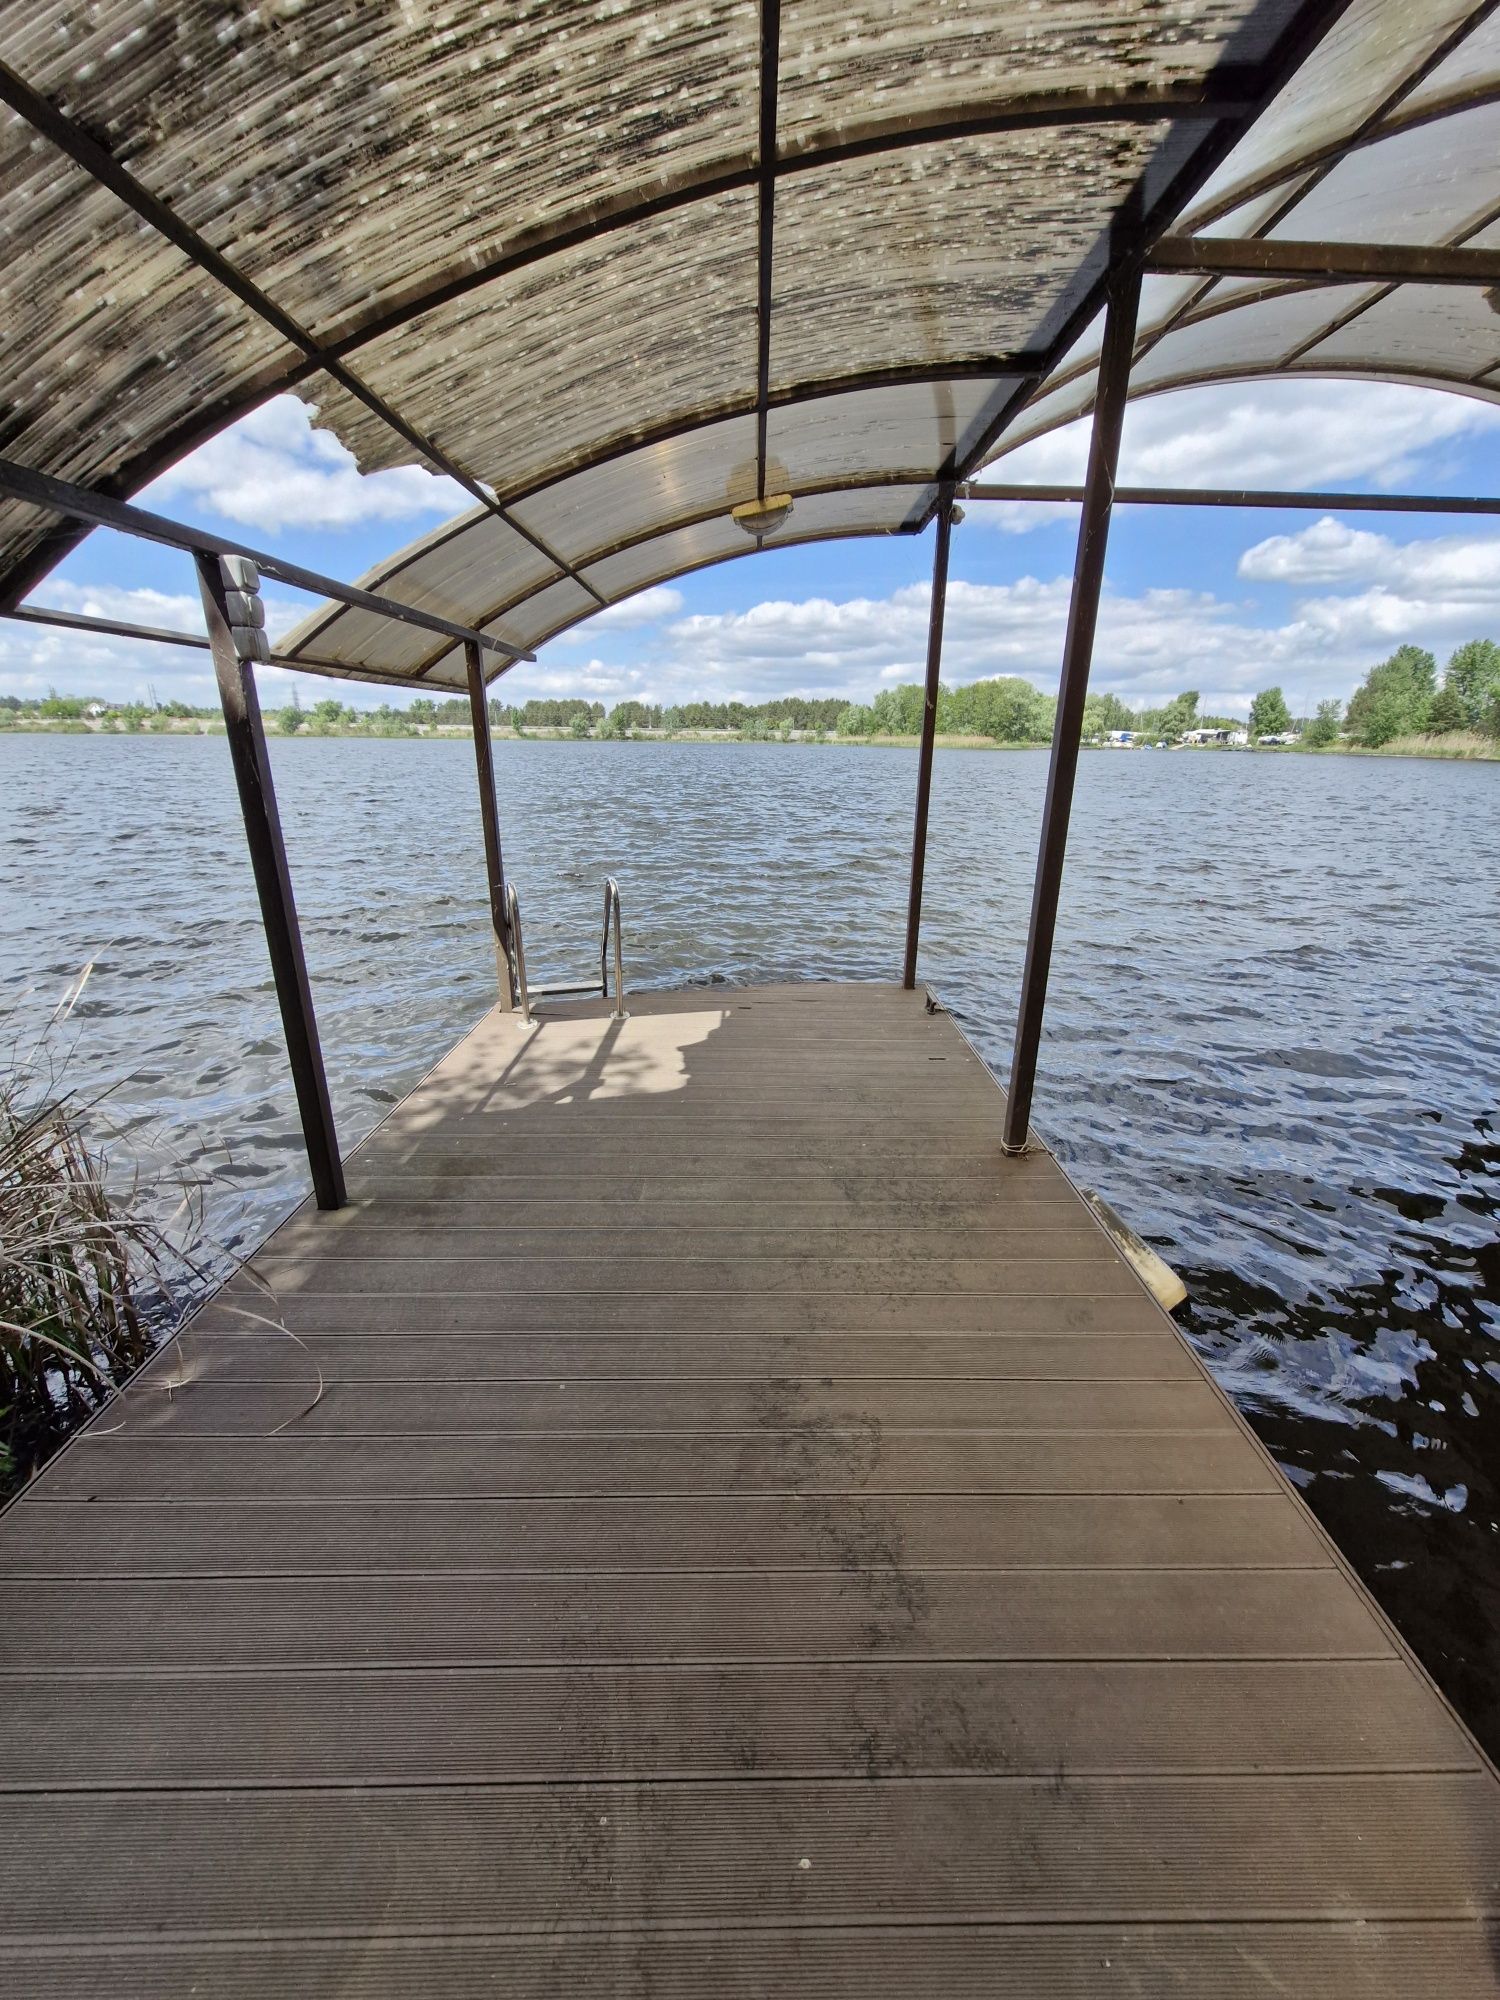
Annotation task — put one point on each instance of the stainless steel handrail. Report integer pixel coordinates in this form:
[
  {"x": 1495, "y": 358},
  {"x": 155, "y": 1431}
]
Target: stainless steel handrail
[
  {"x": 517, "y": 949},
  {"x": 612, "y": 909}
]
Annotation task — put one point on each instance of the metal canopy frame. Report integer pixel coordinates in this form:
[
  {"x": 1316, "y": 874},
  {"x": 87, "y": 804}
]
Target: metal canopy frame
[{"x": 1225, "y": 104}]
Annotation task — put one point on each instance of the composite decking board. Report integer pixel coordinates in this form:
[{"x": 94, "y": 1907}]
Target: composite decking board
[
  {"x": 609, "y": 1856},
  {"x": 252, "y": 1355},
  {"x": 102, "y": 1465},
  {"x": 499, "y": 1409},
  {"x": 379, "y": 1242},
  {"x": 669, "y": 1194},
  {"x": 514, "y": 1310},
  {"x": 527, "y": 1726},
  {"x": 728, "y": 1529},
  {"x": 1334, "y": 1960},
  {"x": 557, "y": 1537},
  {"x": 883, "y": 1609},
  {"x": 1092, "y": 1270}
]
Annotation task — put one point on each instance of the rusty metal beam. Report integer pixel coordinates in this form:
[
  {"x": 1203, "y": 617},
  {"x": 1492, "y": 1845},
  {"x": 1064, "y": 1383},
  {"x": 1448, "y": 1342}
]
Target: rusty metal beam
[
  {"x": 494, "y": 863},
  {"x": 39, "y": 489},
  {"x": 273, "y": 884},
  {"x": 1265, "y": 257},
  {"x": 1078, "y": 648},
  {"x": 935, "y": 615},
  {"x": 1245, "y": 496}
]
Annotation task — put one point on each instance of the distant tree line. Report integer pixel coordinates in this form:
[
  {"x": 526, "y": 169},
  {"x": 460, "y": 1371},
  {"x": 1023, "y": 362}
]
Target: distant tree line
[{"x": 1401, "y": 697}]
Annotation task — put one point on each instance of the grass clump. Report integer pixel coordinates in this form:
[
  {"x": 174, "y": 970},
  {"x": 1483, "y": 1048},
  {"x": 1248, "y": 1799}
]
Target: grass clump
[{"x": 87, "y": 1271}]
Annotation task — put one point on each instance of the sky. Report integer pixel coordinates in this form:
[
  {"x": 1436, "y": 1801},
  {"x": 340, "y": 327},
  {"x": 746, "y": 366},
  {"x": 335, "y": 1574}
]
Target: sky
[{"x": 1224, "y": 601}]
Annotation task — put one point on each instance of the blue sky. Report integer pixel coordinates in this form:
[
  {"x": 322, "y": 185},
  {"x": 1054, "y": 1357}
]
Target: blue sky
[{"x": 1223, "y": 601}]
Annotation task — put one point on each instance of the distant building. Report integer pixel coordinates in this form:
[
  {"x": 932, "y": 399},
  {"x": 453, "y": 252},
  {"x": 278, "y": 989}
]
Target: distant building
[
  {"x": 1285, "y": 737},
  {"x": 1119, "y": 739},
  {"x": 94, "y": 710},
  {"x": 1210, "y": 736}
]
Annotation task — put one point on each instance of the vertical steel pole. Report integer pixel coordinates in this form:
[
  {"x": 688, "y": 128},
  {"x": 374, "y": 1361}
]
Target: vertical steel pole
[
  {"x": 479, "y": 714},
  {"x": 273, "y": 883},
  {"x": 929, "y": 730},
  {"x": 1078, "y": 648}
]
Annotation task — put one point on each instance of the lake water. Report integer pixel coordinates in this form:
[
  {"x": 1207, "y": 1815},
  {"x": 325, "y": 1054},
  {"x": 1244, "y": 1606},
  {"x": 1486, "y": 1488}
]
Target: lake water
[{"x": 1272, "y": 1038}]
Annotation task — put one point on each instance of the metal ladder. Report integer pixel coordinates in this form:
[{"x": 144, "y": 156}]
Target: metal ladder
[{"x": 517, "y": 953}]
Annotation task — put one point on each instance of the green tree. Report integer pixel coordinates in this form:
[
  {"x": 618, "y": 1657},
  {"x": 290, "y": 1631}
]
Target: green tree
[
  {"x": 1104, "y": 712},
  {"x": 1447, "y": 710},
  {"x": 1324, "y": 727},
  {"x": 1474, "y": 675},
  {"x": 855, "y": 720},
  {"x": 1269, "y": 714},
  {"x": 292, "y": 717},
  {"x": 579, "y": 726},
  {"x": 1179, "y": 716},
  {"x": 422, "y": 710},
  {"x": 62, "y": 707},
  {"x": 1394, "y": 698}
]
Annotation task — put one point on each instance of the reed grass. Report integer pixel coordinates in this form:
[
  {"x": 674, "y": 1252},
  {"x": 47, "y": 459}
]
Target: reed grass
[{"x": 90, "y": 1275}]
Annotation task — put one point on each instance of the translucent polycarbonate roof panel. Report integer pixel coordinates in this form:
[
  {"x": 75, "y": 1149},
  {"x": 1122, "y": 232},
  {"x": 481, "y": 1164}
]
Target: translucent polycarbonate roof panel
[
  {"x": 1046, "y": 412},
  {"x": 878, "y": 510},
  {"x": 551, "y": 610},
  {"x": 105, "y": 338},
  {"x": 1447, "y": 330},
  {"x": 908, "y": 427},
  {"x": 873, "y": 510},
  {"x": 1252, "y": 216},
  {"x": 665, "y": 556},
  {"x": 1472, "y": 69},
  {"x": 533, "y": 371},
  {"x": 1372, "y": 50},
  {"x": 939, "y": 253},
  {"x": 1161, "y": 298},
  {"x": 457, "y": 571},
  {"x": 1431, "y": 184},
  {"x": 1258, "y": 336},
  {"x": 887, "y": 64},
  {"x": 359, "y": 639},
  {"x": 702, "y": 471},
  {"x": 346, "y": 156}
]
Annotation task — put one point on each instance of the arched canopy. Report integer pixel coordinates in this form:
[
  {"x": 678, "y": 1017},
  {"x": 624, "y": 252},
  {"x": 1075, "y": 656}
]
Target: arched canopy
[
  {"x": 1390, "y": 134},
  {"x": 623, "y": 268}
]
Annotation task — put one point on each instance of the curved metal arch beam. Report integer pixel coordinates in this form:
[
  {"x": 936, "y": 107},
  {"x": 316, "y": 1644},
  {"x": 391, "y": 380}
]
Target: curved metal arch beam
[
  {"x": 869, "y": 483},
  {"x": 691, "y": 569},
  {"x": 982, "y": 368}
]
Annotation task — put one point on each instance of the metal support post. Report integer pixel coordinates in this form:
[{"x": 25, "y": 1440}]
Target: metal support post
[
  {"x": 479, "y": 713},
  {"x": 929, "y": 731},
  {"x": 232, "y": 609},
  {"x": 1078, "y": 648}
]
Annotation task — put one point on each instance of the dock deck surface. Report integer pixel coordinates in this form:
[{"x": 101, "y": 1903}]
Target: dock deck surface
[{"x": 711, "y": 1526}]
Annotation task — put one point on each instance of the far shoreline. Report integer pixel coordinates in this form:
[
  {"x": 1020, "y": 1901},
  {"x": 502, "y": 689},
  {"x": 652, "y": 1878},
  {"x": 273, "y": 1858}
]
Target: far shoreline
[{"x": 1463, "y": 748}]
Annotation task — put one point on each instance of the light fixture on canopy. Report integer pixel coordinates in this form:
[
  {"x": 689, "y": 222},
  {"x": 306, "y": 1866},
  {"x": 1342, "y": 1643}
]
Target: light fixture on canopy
[{"x": 762, "y": 517}]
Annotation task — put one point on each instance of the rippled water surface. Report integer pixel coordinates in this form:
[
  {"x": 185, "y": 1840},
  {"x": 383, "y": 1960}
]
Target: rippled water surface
[{"x": 1272, "y": 1038}]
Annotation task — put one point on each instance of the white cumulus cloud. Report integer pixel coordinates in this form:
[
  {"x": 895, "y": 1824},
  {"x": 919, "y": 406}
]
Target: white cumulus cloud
[
  {"x": 1440, "y": 569},
  {"x": 272, "y": 470}
]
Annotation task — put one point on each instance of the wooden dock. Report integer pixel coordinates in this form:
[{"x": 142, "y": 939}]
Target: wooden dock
[{"x": 711, "y": 1525}]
